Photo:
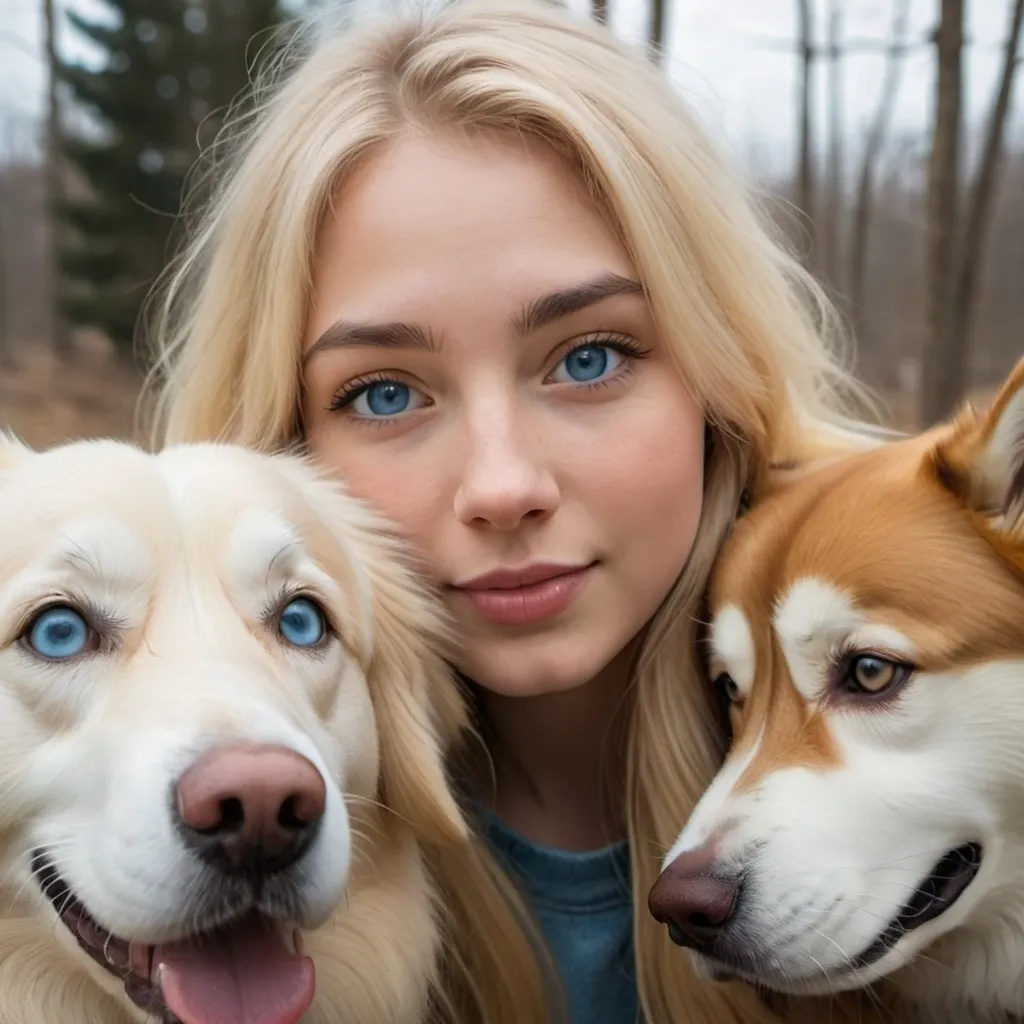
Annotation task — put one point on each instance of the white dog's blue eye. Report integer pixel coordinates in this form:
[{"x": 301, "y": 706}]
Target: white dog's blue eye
[
  {"x": 302, "y": 623},
  {"x": 59, "y": 633}
]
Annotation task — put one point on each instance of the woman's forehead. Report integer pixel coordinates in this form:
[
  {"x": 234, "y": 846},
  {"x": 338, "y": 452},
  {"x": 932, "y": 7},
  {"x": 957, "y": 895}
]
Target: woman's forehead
[{"x": 431, "y": 225}]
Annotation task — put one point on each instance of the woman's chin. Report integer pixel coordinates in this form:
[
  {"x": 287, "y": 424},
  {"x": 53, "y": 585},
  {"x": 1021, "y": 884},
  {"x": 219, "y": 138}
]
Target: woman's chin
[{"x": 540, "y": 665}]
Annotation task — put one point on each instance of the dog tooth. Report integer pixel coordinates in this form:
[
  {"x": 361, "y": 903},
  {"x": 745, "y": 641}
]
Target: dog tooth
[
  {"x": 116, "y": 953},
  {"x": 297, "y": 942},
  {"x": 140, "y": 958},
  {"x": 91, "y": 932}
]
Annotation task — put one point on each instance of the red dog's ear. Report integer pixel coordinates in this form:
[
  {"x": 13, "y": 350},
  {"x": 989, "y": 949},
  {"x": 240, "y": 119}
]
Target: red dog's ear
[{"x": 981, "y": 457}]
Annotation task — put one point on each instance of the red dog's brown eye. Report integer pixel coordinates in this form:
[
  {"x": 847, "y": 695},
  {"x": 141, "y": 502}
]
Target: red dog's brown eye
[
  {"x": 873, "y": 675},
  {"x": 728, "y": 698},
  {"x": 727, "y": 688}
]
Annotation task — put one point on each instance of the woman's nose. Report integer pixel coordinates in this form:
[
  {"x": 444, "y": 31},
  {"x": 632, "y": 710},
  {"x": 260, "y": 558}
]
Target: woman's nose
[{"x": 505, "y": 480}]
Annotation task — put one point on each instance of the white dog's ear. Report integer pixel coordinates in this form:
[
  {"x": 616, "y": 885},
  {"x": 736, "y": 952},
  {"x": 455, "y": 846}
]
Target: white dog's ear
[{"x": 981, "y": 458}]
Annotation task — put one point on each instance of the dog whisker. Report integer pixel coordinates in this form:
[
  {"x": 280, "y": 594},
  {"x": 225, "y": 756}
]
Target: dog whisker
[
  {"x": 824, "y": 973},
  {"x": 381, "y": 806},
  {"x": 930, "y": 853}
]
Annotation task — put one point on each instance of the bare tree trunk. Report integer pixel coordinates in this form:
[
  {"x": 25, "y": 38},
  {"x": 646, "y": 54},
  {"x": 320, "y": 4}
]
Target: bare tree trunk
[
  {"x": 805, "y": 175},
  {"x": 656, "y": 30},
  {"x": 832, "y": 219},
  {"x": 6, "y": 153},
  {"x": 54, "y": 182},
  {"x": 5, "y": 306},
  {"x": 941, "y": 380},
  {"x": 599, "y": 9},
  {"x": 983, "y": 193},
  {"x": 873, "y": 146}
]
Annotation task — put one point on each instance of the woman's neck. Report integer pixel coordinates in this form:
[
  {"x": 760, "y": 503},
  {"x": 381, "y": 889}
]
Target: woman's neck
[{"x": 558, "y": 761}]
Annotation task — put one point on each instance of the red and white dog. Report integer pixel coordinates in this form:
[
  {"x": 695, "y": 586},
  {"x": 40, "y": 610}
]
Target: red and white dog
[{"x": 867, "y": 633}]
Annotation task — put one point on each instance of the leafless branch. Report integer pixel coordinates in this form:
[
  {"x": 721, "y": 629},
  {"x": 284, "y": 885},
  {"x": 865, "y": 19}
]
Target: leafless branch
[
  {"x": 873, "y": 146},
  {"x": 54, "y": 179},
  {"x": 832, "y": 215},
  {"x": 805, "y": 160},
  {"x": 656, "y": 30},
  {"x": 983, "y": 193},
  {"x": 941, "y": 384}
]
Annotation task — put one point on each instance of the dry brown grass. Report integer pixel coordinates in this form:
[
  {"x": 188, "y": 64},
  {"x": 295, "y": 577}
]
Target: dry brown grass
[{"x": 90, "y": 394}]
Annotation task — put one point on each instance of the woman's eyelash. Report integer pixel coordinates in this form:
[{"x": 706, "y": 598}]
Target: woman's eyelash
[
  {"x": 621, "y": 344},
  {"x": 351, "y": 390}
]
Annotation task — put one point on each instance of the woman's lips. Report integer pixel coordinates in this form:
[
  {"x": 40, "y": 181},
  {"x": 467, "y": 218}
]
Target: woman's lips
[{"x": 531, "y": 594}]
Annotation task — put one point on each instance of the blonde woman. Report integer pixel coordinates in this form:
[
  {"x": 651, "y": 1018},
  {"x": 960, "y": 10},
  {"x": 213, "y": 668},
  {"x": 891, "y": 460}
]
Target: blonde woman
[{"x": 485, "y": 264}]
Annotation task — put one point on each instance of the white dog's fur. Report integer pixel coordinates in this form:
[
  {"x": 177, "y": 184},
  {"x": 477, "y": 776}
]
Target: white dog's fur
[
  {"x": 180, "y": 561},
  {"x": 834, "y": 805}
]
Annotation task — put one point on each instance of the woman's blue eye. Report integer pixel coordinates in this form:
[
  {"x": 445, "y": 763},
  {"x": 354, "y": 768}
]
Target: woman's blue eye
[
  {"x": 587, "y": 363},
  {"x": 386, "y": 398},
  {"x": 59, "y": 633},
  {"x": 302, "y": 623}
]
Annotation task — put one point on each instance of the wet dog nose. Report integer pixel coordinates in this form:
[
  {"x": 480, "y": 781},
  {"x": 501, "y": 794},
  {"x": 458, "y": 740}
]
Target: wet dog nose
[
  {"x": 694, "y": 900},
  {"x": 250, "y": 808}
]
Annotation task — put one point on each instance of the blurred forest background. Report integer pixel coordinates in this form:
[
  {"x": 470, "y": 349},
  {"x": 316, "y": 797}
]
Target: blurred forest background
[{"x": 918, "y": 231}]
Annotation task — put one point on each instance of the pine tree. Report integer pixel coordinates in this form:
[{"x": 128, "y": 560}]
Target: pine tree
[{"x": 170, "y": 69}]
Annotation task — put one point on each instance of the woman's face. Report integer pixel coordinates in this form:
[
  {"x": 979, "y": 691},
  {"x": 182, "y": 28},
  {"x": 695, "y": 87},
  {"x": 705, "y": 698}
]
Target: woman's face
[{"x": 481, "y": 365}]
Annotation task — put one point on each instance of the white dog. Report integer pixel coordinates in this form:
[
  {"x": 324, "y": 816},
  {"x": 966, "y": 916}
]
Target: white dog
[
  {"x": 867, "y": 633},
  {"x": 222, "y": 708}
]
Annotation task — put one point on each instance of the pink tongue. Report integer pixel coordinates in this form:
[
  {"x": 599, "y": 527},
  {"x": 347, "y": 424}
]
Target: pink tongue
[{"x": 244, "y": 974}]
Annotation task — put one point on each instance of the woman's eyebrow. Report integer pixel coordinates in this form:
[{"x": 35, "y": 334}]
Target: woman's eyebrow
[
  {"x": 566, "y": 301},
  {"x": 536, "y": 314},
  {"x": 345, "y": 334}
]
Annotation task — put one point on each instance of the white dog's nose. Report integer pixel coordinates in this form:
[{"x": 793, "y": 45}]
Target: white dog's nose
[{"x": 251, "y": 808}]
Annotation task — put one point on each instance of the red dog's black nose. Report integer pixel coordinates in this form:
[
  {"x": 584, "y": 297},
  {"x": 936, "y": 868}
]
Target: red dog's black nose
[{"x": 694, "y": 900}]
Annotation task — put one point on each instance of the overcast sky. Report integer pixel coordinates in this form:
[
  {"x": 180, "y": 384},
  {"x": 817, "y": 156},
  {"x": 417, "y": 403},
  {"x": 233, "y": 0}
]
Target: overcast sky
[{"x": 723, "y": 53}]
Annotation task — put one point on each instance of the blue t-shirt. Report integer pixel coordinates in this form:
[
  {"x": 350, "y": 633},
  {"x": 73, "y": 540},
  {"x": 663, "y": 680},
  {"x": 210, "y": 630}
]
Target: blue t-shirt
[{"x": 583, "y": 906}]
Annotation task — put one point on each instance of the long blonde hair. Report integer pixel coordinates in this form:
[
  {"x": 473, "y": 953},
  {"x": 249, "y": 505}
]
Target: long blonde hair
[{"x": 747, "y": 327}]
